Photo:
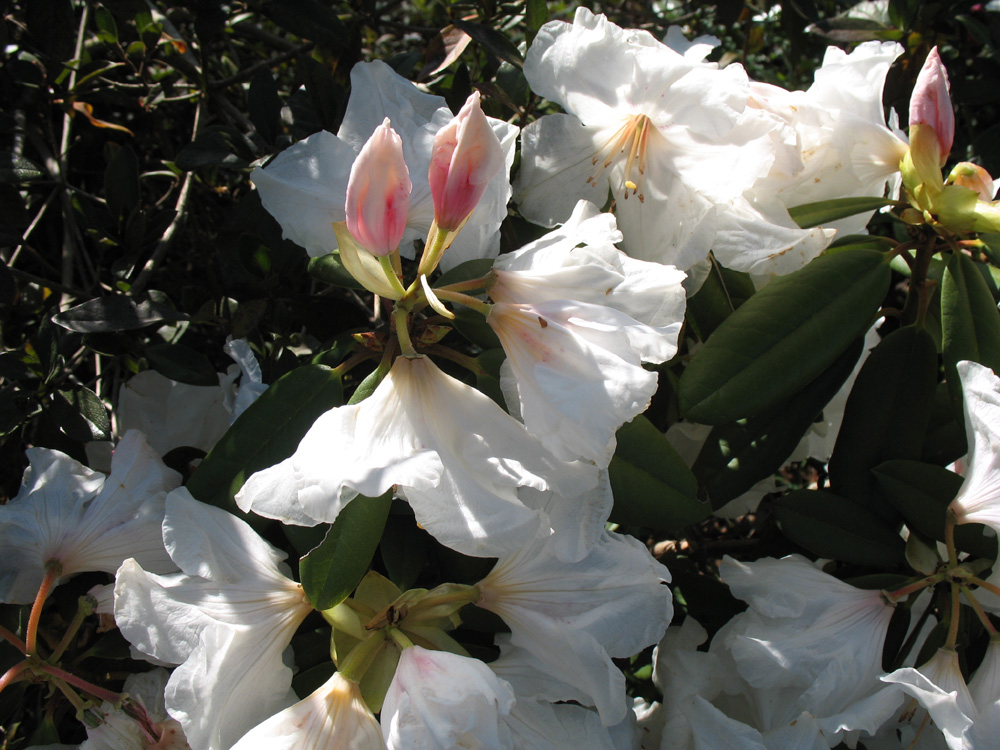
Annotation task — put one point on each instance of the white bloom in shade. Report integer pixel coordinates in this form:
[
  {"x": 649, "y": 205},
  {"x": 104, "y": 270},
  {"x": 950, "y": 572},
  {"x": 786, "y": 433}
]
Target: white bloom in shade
[
  {"x": 808, "y": 630},
  {"x": 566, "y": 617},
  {"x": 81, "y": 519},
  {"x": 832, "y": 141},
  {"x": 455, "y": 455},
  {"x": 118, "y": 730},
  {"x": 251, "y": 382},
  {"x": 577, "y": 318},
  {"x": 225, "y": 619},
  {"x": 670, "y": 136},
  {"x": 305, "y": 186},
  {"x": 540, "y": 725},
  {"x": 172, "y": 414},
  {"x": 438, "y": 700},
  {"x": 332, "y": 717},
  {"x": 940, "y": 688},
  {"x": 978, "y": 501}
]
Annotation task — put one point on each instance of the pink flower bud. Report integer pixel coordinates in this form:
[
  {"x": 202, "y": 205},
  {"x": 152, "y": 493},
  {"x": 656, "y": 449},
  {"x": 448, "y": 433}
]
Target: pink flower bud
[
  {"x": 466, "y": 155},
  {"x": 930, "y": 103},
  {"x": 378, "y": 193}
]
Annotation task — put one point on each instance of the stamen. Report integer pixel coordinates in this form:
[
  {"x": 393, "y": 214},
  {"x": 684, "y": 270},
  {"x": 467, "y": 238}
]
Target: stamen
[{"x": 631, "y": 141}]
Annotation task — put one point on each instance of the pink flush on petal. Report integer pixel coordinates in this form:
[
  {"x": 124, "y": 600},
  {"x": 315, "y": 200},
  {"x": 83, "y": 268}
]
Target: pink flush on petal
[
  {"x": 930, "y": 103},
  {"x": 466, "y": 156},
  {"x": 378, "y": 193}
]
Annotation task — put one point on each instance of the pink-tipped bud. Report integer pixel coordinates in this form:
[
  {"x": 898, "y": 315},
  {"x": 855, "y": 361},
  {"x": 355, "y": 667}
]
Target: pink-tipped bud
[
  {"x": 930, "y": 103},
  {"x": 467, "y": 154},
  {"x": 378, "y": 193},
  {"x": 974, "y": 177}
]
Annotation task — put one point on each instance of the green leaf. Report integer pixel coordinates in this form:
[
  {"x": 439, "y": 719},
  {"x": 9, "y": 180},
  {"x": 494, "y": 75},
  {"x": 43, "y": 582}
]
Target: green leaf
[
  {"x": 465, "y": 271},
  {"x": 783, "y": 337},
  {"x": 264, "y": 106},
  {"x": 309, "y": 19},
  {"x": 331, "y": 571},
  {"x": 329, "y": 269},
  {"x": 970, "y": 323},
  {"x": 921, "y": 493},
  {"x": 81, "y": 414},
  {"x": 117, "y": 313},
  {"x": 15, "y": 168},
  {"x": 492, "y": 40},
  {"x": 886, "y": 414},
  {"x": 107, "y": 29},
  {"x": 823, "y": 212},
  {"x": 268, "y": 432},
  {"x": 722, "y": 293},
  {"x": 536, "y": 13},
  {"x": 829, "y": 525},
  {"x": 403, "y": 549},
  {"x": 182, "y": 363},
  {"x": 652, "y": 485},
  {"x": 737, "y": 456},
  {"x": 121, "y": 182}
]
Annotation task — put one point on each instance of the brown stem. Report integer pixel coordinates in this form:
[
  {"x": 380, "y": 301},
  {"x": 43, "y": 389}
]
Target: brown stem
[
  {"x": 12, "y": 675},
  {"x": 52, "y": 570},
  {"x": 13, "y": 640},
  {"x": 79, "y": 682}
]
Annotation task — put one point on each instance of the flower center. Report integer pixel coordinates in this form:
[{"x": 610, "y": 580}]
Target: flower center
[{"x": 629, "y": 143}]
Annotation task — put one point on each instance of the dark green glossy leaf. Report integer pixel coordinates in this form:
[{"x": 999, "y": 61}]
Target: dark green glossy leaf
[
  {"x": 81, "y": 414},
  {"x": 264, "y": 105},
  {"x": 329, "y": 269},
  {"x": 737, "y": 456},
  {"x": 182, "y": 363},
  {"x": 268, "y": 432},
  {"x": 118, "y": 313},
  {"x": 121, "y": 183},
  {"x": 722, "y": 293},
  {"x": 403, "y": 549},
  {"x": 823, "y": 212},
  {"x": 886, "y": 414},
  {"x": 783, "y": 337},
  {"x": 651, "y": 483},
  {"x": 493, "y": 41},
  {"x": 970, "y": 323},
  {"x": 332, "y": 570},
  {"x": 829, "y": 525},
  {"x": 309, "y": 19},
  {"x": 921, "y": 493}
]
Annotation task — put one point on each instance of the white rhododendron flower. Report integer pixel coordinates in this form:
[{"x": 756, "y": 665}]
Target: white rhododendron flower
[
  {"x": 577, "y": 318},
  {"x": 226, "y": 619},
  {"x": 121, "y": 730},
  {"x": 670, "y": 136},
  {"x": 332, "y": 717},
  {"x": 67, "y": 514},
  {"x": 833, "y": 142},
  {"x": 808, "y": 630},
  {"x": 305, "y": 186},
  {"x": 455, "y": 455},
  {"x": 565, "y": 616},
  {"x": 438, "y": 700},
  {"x": 978, "y": 501}
]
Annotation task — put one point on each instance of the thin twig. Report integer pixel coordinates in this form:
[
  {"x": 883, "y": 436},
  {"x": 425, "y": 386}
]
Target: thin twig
[
  {"x": 180, "y": 207},
  {"x": 271, "y": 62}
]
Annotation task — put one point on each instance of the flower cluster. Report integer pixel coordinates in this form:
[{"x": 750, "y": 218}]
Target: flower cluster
[{"x": 499, "y": 449}]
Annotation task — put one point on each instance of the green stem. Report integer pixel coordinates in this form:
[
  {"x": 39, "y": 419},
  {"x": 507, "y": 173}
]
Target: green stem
[
  {"x": 85, "y": 607},
  {"x": 356, "y": 663},
  {"x": 399, "y": 317},
  {"x": 466, "y": 286},
  {"x": 78, "y": 682},
  {"x": 469, "y": 363},
  {"x": 980, "y": 613},
  {"x": 910, "y": 588},
  {"x": 464, "y": 299},
  {"x": 401, "y": 640},
  {"x": 956, "y": 603},
  {"x": 983, "y": 584},
  {"x": 433, "y": 250},
  {"x": 390, "y": 273}
]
